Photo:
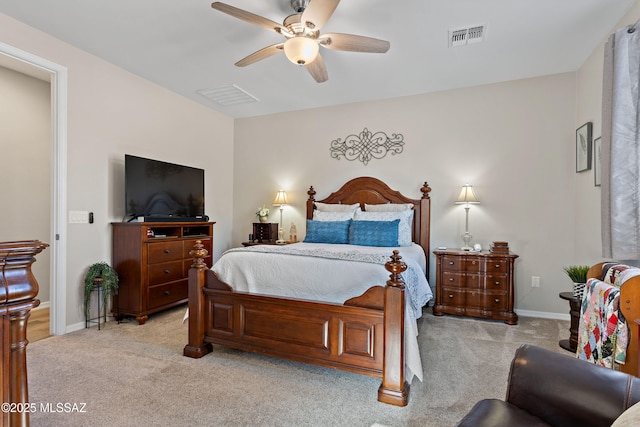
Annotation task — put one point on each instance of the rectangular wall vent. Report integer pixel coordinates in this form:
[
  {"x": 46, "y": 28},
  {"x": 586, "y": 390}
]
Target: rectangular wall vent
[
  {"x": 463, "y": 36},
  {"x": 228, "y": 95}
]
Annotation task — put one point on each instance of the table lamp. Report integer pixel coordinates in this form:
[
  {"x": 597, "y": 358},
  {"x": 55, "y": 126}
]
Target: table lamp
[
  {"x": 281, "y": 201},
  {"x": 466, "y": 197}
]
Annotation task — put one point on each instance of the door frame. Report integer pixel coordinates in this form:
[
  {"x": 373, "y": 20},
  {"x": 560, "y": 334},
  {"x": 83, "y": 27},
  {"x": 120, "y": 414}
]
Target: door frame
[{"x": 58, "y": 78}]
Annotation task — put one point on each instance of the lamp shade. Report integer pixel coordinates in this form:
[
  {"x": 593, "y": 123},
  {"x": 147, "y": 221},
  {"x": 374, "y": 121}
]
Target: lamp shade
[
  {"x": 467, "y": 195},
  {"x": 301, "y": 50},
  {"x": 281, "y": 198}
]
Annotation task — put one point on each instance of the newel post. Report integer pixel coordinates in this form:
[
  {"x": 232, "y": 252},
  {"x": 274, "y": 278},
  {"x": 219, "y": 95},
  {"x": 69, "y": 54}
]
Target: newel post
[
  {"x": 196, "y": 347},
  {"x": 394, "y": 389},
  {"x": 18, "y": 292}
]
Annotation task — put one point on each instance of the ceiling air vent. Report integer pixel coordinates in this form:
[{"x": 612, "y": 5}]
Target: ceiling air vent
[
  {"x": 463, "y": 36},
  {"x": 228, "y": 95}
]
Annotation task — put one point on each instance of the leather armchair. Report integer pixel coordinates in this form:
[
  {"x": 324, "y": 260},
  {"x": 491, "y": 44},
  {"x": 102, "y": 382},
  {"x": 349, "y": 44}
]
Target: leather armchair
[{"x": 551, "y": 389}]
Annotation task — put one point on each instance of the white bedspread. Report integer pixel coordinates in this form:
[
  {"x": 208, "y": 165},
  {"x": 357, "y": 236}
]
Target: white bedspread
[{"x": 325, "y": 272}]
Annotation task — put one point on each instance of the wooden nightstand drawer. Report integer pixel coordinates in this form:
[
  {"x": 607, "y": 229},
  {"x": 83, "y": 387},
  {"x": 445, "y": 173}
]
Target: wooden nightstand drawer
[
  {"x": 452, "y": 263},
  {"x": 454, "y": 297},
  {"x": 164, "y": 251},
  {"x": 461, "y": 280},
  {"x": 497, "y": 282},
  {"x": 472, "y": 265},
  {"x": 497, "y": 266}
]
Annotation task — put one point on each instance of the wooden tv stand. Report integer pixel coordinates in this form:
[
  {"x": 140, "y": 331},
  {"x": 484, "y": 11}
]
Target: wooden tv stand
[{"x": 152, "y": 260}]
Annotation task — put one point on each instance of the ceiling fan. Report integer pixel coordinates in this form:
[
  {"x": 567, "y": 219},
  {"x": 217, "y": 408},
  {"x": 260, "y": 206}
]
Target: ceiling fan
[{"x": 302, "y": 33}]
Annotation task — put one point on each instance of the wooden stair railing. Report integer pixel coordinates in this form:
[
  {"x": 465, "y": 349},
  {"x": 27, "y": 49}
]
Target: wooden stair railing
[{"x": 18, "y": 291}]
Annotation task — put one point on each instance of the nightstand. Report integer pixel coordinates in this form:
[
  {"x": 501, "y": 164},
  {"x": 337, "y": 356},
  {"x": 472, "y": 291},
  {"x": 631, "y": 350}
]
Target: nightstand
[
  {"x": 265, "y": 232},
  {"x": 478, "y": 284}
]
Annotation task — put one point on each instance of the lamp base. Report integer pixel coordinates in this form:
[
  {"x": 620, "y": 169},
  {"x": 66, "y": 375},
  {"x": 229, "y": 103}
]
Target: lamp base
[
  {"x": 281, "y": 240},
  {"x": 466, "y": 238}
]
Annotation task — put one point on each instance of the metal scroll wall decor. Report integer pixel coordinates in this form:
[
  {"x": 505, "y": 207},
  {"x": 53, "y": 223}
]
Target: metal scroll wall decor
[{"x": 366, "y": 146}]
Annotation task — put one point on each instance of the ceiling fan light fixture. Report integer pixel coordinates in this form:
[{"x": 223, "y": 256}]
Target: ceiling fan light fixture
[{"x": 301, "y": 50}]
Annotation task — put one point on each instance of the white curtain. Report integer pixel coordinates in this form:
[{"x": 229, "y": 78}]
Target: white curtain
[{"x": 621, "y": 146}]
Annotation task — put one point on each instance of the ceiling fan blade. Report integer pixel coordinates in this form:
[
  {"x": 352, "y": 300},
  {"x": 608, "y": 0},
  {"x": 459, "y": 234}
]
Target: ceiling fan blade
[
  {"x": 250, "y": 17},
  {"x": 317, "y": 69},
  {"x": 353, "y": 43},
  {"x": 260, "y": 55},
  {"x": 318, "y": 13}
]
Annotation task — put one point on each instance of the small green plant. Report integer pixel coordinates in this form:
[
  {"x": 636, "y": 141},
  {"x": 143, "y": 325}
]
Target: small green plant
[
  {"x": 577, "y": 273},
  {"x": 100, "y": 270}
]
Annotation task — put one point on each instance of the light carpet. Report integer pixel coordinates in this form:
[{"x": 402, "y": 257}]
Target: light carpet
[{"x": 136, "y": 375}]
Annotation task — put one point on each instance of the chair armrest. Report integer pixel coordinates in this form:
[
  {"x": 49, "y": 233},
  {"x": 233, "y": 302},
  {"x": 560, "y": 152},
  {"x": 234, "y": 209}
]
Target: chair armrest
[{"x": 563, "y": 390}]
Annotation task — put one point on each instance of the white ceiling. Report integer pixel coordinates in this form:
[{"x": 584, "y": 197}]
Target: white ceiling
[{"x": 187, "y": 46}]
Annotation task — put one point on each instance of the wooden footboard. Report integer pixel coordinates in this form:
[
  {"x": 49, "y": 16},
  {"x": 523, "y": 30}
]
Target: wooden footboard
[{"x": 365, "y": 335}]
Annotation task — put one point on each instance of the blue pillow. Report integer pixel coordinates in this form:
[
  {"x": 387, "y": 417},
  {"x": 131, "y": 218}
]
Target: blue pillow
[
  {"x": 327, "y": 231},
  {"x": 374, "y": 233}
]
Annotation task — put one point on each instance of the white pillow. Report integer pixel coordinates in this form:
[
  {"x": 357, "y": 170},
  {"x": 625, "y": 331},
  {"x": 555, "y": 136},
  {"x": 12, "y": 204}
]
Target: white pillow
[
  {"x": 388, "y": 207},
  {"x": 332, "y": 216},
  {"x": 629, "y": 418},
  {"x": 336, "y": 207},
  {"x": 404, "y": 228}
]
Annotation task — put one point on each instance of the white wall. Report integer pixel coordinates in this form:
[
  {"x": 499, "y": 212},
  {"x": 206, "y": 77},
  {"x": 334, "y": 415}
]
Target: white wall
[
  {"x": 25, "y": 144},
  {"x": 112, "y": 112},
  {"x": 513, "y": 141}
]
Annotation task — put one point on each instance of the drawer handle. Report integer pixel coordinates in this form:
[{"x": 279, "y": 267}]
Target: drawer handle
[
  {"x": 167, "y": 293},
  {"x": 497, "y": 265},
  {"x": 473, "y": 262},
  {"x": 451, "y": 263},
  {"x": 450, "y": 295},
  {"x": 451, "y": 279},
  {"x": 167, "y": 251},
  {"x": 497, "y": 283},
  {"x": 497, "y": 300},
  {"x": 167, "y": 271}
]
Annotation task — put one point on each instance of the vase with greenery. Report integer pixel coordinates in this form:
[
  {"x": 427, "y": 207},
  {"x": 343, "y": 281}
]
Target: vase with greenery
[
  {"x": 578, "y": 274},
  {"x": 107, "y": 277},
  {"x": 263, "y": 214}
]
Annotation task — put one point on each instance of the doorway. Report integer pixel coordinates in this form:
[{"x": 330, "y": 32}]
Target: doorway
[{"x": 30, "y": 64}]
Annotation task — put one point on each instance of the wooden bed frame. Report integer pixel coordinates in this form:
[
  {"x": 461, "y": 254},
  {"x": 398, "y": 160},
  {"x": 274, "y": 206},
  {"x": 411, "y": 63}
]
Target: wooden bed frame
[
  {"x": 364, "y": 335},
  {"x": 630, "y": 307}
]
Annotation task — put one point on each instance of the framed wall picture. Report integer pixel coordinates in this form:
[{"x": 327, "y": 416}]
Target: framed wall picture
[
  {"x": 597, "y": 171},
  {"x": 583, "y": 147}
]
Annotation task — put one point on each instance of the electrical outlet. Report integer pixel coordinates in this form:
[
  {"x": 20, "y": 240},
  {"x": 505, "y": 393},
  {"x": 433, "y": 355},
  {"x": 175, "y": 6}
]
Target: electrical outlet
[{"x": 535, "y": 281}]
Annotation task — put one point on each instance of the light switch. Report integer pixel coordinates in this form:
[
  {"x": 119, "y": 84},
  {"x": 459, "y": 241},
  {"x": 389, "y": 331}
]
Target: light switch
[{"x": 78, "y": 217}]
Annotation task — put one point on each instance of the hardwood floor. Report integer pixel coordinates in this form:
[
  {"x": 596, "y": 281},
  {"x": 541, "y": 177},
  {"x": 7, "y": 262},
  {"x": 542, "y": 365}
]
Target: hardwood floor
[{"x": 38, "y": 324}]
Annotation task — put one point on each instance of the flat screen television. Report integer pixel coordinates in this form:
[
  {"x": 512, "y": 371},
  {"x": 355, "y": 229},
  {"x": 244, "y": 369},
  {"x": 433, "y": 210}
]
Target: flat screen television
[{"x": 160, "y": 190}]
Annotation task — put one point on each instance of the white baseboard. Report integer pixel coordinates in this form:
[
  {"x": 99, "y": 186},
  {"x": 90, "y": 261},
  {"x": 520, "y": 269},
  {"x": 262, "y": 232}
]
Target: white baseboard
[{"x": 543, "y": 315}]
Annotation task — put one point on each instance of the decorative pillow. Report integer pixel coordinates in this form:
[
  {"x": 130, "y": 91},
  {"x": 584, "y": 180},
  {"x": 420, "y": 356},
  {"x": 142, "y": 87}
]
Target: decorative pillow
[
  {"x": 327, "y": 231},
  {"x": 336, "y": 207},
  {"x": 388, "y": 207},
  {"x": 629, "y": 418},
  {"x": 374, "y": 233},
  {"x": 404, "y": 228},
  {"x": 332, "y": 216}
]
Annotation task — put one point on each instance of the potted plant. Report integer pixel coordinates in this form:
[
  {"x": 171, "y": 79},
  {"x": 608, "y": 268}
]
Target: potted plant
[
  {"x": 578, "y": 274},
  {"x": 263, "y": 213},
  {"x": 102, "y": 273}
]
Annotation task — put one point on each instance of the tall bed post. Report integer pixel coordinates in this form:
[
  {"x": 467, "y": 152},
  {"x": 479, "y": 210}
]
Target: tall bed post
[
  {"x": 394, "y": 389},
  {"x": 197, "y": 347}
]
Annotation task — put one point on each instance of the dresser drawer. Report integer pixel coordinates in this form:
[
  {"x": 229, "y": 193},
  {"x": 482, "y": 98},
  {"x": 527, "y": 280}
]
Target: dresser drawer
[
  {"x": 165, "y": 272},
  {"x": 472, "y": 265},
  {"x": 497, "y": 282},
  {"x": 164, "y": 251},
  {"x": 453, "y": 297},
  {"x": 452, "y": 263},
  {"x": 461, "y": 280},
  {"x": 487, "y": 301},
  {"x": 167, "y": 294},
  {"x": 499, "y": 265}
]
